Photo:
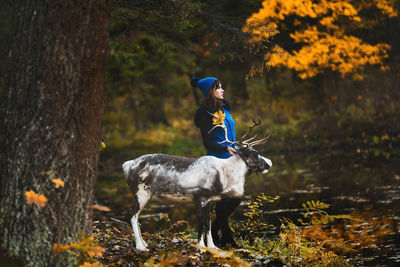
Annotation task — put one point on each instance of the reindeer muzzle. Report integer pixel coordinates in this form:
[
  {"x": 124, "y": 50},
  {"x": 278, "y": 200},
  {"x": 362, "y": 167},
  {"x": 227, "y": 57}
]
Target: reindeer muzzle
[{"x": 267, "y": 165}]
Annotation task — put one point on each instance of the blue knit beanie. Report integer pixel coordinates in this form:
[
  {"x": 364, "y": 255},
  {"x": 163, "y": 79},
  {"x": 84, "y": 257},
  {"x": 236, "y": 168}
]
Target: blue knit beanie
[{"x": 204, "y": 84}]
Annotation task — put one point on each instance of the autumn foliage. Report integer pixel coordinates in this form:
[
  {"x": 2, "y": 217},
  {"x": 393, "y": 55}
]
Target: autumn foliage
[
  {"x": 84, "y": 250},
  {"x": 323, "y": 35},
  {"x": 57, "y": 182},
  {"x": 34, "y": 198}
]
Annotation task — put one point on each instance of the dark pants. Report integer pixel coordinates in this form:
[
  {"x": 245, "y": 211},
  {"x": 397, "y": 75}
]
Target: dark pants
[{"x": 220, "y": 230}]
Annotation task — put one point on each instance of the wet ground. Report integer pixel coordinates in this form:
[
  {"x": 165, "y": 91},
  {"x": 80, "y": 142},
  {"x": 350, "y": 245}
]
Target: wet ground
[{"x": 363, "y": 184}]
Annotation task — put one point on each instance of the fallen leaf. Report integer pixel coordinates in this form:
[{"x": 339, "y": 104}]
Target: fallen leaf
[
  {"x": 88, "y": 264},
  {"x": 216, "y": 252},
  {"x": 95, "y": 251},
  {"x": 99, "y": 207},
  {"x": 34, "y": 198},
  {"x": 58, "y": 182}
]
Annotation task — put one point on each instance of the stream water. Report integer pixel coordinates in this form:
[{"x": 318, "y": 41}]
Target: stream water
[{"x": 365, "y": 185}]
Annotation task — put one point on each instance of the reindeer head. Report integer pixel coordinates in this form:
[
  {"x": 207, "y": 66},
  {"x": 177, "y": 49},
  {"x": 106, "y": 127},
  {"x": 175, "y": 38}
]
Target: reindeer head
[{"x": 254, "y": 161}]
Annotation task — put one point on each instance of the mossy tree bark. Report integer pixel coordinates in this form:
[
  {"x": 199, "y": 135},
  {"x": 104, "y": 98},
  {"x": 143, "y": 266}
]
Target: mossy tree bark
[{"x": 51, "y": 121}]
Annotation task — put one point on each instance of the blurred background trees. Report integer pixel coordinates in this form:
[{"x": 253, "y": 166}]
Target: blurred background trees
[
  {"x": 316, "y": 72},
  {"x": 157, "y": 46},
  {"x": 345, "y": 54},
  {"x": 310, "y": 69}
]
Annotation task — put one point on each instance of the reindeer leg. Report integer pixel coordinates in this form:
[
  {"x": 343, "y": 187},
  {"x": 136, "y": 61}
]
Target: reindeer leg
[
  {"x": 209, "y": 238},
  {"x": 204, "y": 222},
  {"x": 227, "y": 234},
  {"x": 142, "y": 196},
  {"x": 223, "y": 209},
  {"x": 200, "y": 211}
]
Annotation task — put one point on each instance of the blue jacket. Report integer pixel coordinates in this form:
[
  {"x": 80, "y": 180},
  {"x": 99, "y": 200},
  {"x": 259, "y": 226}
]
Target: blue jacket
[{"x": 203, "y": 120}]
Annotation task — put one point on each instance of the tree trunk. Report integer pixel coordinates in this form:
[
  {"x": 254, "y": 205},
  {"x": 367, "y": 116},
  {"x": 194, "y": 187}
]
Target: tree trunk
[{"x": 52, "y": 122}]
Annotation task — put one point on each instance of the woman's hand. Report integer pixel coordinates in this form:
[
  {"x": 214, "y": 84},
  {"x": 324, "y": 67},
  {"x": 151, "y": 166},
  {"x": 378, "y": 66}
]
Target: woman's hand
[{"x": 231, "y": 150}]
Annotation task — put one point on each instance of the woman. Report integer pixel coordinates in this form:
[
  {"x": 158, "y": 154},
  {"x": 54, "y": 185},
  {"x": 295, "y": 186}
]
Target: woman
[{"x": 216, "y": 145}]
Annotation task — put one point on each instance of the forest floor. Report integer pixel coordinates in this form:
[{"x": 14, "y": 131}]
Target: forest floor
[{"x": 172, "y": 247}]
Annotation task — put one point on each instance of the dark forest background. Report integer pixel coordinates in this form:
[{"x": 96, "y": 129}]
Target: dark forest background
[
  {"x": 157, "y": 46},
  {"x": 153, "y": 54}
]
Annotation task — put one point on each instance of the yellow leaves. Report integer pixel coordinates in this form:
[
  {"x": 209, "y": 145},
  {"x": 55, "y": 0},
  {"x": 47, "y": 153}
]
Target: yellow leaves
[
  {"x": 95, "y": 251},
  {"x": 276, "y": 10},
  {"x": 99, "y": 207},
  {"x": 259, "y": 29},
  {"x": 88, "y": 264},
  {"x": 102, "y": 145},
  {"x": 328, "y": 22},
  {"x": 315, "y": 205},
  {"x": 60, "y": 248},
  {"x": 218, "y": 117},
  {"x": 34, "y": 198},
  {"x": 57, "y": 182},
  {"x": 386, "y": 7},
  {"x": 38, "y": 199},
  {"x": 339, "y": 52},
  {"x": 309, "y": 35},
  {"x": 170, "y": 259},
  {"x": 217, "y": 253},
  {"x": 164, "y": 216},
  {"x": 325, "y": 44},
  {"x": 86, "y": 246},
  {"x": 224, "y": 256}
]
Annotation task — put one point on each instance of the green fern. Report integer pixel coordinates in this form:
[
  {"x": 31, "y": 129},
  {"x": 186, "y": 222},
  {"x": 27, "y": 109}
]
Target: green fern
[{"x": 316, "y": 214}]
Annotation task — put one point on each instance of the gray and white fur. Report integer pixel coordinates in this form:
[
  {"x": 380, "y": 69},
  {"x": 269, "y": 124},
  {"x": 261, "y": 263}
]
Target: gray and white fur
[{"x": 178, "y": 179}]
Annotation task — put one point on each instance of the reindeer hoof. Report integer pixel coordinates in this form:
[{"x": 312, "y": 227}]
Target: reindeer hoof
[{"x": 142, "y": 248}]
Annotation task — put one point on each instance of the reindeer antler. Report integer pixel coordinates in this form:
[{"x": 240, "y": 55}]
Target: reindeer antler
[
  {"x": 222, "y": 125},
  {"x": 248, "y": 141},
  {"x": 261, "y": 141},
  {"x": 255, "y": 123},
  {"x": 241, "y": 141}
]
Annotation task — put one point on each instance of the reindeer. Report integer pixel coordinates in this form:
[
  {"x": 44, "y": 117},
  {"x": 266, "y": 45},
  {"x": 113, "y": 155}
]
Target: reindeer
[{"x": 203, "y": 180}]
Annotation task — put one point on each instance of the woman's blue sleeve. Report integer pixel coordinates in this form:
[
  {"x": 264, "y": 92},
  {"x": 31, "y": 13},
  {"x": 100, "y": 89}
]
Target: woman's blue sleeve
[{"x": 204, "y": 122}]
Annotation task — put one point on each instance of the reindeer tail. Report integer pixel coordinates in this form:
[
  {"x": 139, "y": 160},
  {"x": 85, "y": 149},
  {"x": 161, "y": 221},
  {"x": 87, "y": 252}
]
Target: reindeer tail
[{"x": 126, "y": 167}]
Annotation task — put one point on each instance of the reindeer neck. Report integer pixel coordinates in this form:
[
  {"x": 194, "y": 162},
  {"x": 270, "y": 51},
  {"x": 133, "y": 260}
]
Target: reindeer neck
[{"x": 237, "y": 164}]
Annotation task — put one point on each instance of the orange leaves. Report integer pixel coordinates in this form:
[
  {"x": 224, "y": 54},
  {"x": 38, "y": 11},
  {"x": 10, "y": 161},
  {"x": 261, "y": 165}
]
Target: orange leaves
[
  {"x": 87, "y": 247},
  {"x": 58, "y": 182},
  {"x": 95, "y": 251},
  {"x": 99, "y": 207},
  {"x": 38, "y": 199},
  {"x": 386, "y": 7},
  {"x": 88, "y": 264},
  {"x": 276, "y": 10},
  {"x": 60, "y": 248},
  {"x": 325, "y": 44},
  {"x": 342, "y": 53},
  {"x": 217, "y": 253},
  {"x": 218, "y": 117},
  {"x": 34, "y": 198}
]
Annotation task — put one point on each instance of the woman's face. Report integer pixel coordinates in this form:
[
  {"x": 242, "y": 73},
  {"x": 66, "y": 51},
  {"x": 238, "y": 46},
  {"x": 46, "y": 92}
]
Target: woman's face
[{"x": 219, "y": 92}]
